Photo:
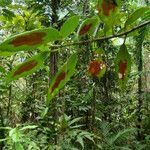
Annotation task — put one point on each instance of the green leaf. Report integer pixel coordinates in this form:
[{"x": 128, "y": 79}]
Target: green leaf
[
  {"x": 74, "y": 120},
  {"x": 2, "y": 69},
  {"x": 62, "y": 77},
  {"x": 123, "y": 65},
  {"x": 6, "y": 53},
  {"x": 136, "y": 15},
  {"x": 18, "y": 146},
  {"x": 29, "y": 127},
  {"x": 69, "y": 26},
  {"x": 89, "y": 136},
  {"x": 80, "y": 141},
  {"x": 26, "y": 68},
  {"x": 29, "y": 40},
  {"x": 2, "y": 140},
  {"x": 5, "y": 128},
  {"x": 14, "y": 135},
  {"x": 88, "y": 26},
  {"x": 7, "y": 13},
  {"x": 5, "y": 2}
]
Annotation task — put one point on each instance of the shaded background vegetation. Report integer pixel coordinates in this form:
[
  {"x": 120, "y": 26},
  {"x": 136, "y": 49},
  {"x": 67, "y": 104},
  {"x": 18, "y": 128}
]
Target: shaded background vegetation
[{"x": 88, "y": 113}]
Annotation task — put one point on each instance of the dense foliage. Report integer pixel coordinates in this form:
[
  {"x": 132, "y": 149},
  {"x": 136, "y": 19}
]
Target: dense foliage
[{"x": 74, "y": 75}]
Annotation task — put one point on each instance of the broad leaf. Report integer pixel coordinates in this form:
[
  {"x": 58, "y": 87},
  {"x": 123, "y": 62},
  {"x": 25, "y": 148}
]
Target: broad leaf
[
  {"x": 30, "y": 40},
  {"x": 136, "y": 15},
  {"x": 108, "y": 11},
  {"x": 26, "y": 68},
  {"x": 97, "y": 68},
  {"x": 62, "y": 77},
  {"x": 69, "y": 26},
  {"x": 88, "y": 26},
  {"x": 123, "y": 65}
]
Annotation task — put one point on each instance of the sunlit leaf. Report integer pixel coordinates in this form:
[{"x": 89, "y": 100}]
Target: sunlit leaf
[
  {"x": 88, "y": 26},
  {"x": 29, "y": 127},
  {"x": 6, "y": 53},
  {"x": 69, "y": 26},
  {"x": 26, "y": 68},
  {"x": 18, "y": 146},
  {"x": 14, "y": 134},
  {"x": 123, "y": 65},
  {"x": 29, "y": 40},
  {"x": 62, "y": 77},
  {"x": 136, "y": 15}
]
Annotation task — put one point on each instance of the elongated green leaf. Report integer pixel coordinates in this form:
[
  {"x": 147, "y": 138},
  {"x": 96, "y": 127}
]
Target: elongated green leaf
[
  {"x": 123, "y": 65},
  {"x": 62, "y": 77},
  {"x": 7, "y": 13},
  {"x": 26, "y": 68},
  {"x": 29, "y": 127},
  {"x": 80, "y": 141},
  {"x": 2, "y": 140},
  {"x": 29, "y": 40},
  {"x": 69, "y": 26},
  {"x": 5, "y": 128},
  {"x": 136, "y": 15},
  {"x": 88, "y": 26},
  {"x": 6, "y": 53}
]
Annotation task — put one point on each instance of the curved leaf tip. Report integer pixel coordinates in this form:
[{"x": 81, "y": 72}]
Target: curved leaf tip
[{"x": 59, "y": 78}]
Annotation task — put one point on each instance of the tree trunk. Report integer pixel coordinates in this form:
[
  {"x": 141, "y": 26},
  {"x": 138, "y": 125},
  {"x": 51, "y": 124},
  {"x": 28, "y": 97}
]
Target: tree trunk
[
  {"x": 53, "y": 64},
  {"x": 139, "y": 58}
]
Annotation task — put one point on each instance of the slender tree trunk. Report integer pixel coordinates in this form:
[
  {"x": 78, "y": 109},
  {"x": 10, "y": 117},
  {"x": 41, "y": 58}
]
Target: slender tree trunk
[
  {"x": 2, "y": 132},
  {"x": 53, "y": 63},
  {"x": 93, "y": 106},
  {"x": 139, "y": 58},
  {"x": 10, "y": 89},
  {"x": 9, "y": 100},
  {"x": 140, "y": 101}
]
